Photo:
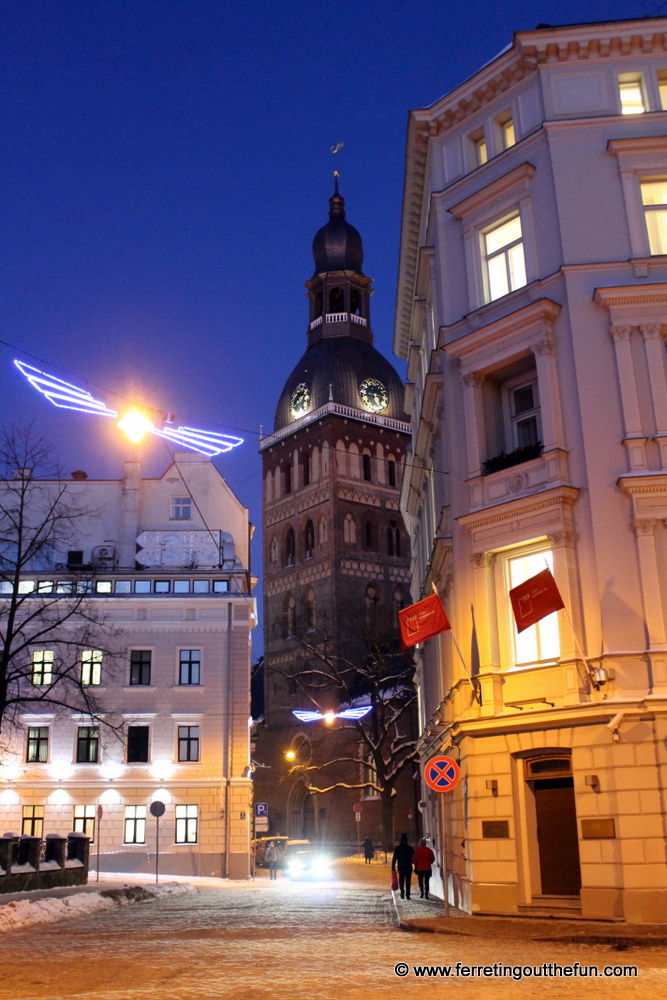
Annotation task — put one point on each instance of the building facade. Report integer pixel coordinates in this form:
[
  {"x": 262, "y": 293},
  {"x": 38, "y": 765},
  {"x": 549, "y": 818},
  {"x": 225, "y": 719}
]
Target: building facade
[
  {"x": 336, "y": 551},
  {"x": 532, "y": 311},
  {"x": 163, "y": 564}
]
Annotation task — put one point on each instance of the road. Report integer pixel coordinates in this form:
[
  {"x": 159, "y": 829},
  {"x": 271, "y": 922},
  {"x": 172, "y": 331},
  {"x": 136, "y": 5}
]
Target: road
[{"x": 303, "y": 941}]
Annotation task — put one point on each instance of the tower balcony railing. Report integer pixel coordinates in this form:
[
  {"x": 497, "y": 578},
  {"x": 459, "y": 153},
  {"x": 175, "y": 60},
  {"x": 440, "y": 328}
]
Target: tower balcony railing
[
  {"x": 351, "y": 412},
  {"x": 340, "y": 317}
]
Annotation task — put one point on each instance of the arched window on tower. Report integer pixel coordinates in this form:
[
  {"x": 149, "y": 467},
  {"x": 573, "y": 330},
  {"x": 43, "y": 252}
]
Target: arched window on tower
[
  {"x": 401, "y": 599},
  {"x": 287, "y": 477},
  {"x": 336, "y": 300},
  {"x": 309, "y": 609},
  {"x": 366, "y": 460},
  {"x": 393, "y": 539},
  {"x": 370, "y": 535},
  {"x": 371, "y": 601},
  {"x": 290, "y": 547},
  {"x": 289, "y": 615},
  {"x": 274, "y": 550},
  {"x": 309, "y": 540},
  {"x": 323, "y": 531},
  {"x": 355, "y": 302},
  {"x": 305, "y": 468},
  {"x": 391, "y": 470},
  {"x": 349, "y": 530}
]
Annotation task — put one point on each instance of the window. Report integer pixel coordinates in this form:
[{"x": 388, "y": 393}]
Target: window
[
  {"x": 369, "y": 774},
  {"x": 631, "y": 89},
  {"x": 91, "y": 667},
  {"x": 64, "y": 587},
  {"x": 290, "y": 547},
  {"x": 26, "y": 586},
  {"x": 366, "y": 460},
  {"x": 391, "y": 472},
  {"x": 181, "y": 586},
  {"x": 87, "y": 744},
  {"x": 142, "y": 586},
  {"x": 33, "y": 821},
  {"x": 161, "y": 586},
  {"x": 290, "y": 616},
  {"x": 274, "y": 550},
  {"x": 336, "y": 300},
  {"x": 541, "y": 642},
  {"x": 222, "y": 586},
  {"x": 74, "y": 558},
  {"x": 189, "y": 665},
  {"x": 349, "y": 530},
  {"x": 507, "y": 132},
  {"x": 135, "y": 825},
  {"x": 372, "y": 600},
  {"x": 309, "y": 609},
  {"x": 140, "y": 666},
  {"x": 137, "y": 744},
  {"x": 654, "y": 199},
  {"x": 504, "y": 257},
  {"x": 393, "y": 539},
  {"x": 200, "y": 586},
  {"x": 309, "y": 540},
  {"x": 662, "y": 88},
  {"x": 370, "y": 535},
  {"x": 186, "y": 824},
  {"x": 42, "y": 667},
  {"x": 188, "y": 743},
  {"x": 288, "y": 477},
  {"x": 479, "y": 148},
  {"x": 103, "y": 586},
  {"x": 181, "y": 508},
  {"x": 323, "y": 531},
  {"x": 38, "y": 745},
  {"x": 523, "y": 411},
  {"x": 84, "y": 821},
  {"x": 123, "y": 587},
  {"x": 305, "y": 466}
]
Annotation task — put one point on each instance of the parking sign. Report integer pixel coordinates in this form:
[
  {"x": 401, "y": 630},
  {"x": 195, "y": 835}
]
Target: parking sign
[{"x": 262, "y": 810}]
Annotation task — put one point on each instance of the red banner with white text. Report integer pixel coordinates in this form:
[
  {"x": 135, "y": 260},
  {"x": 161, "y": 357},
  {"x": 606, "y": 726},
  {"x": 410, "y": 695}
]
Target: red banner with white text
[
  {"x": 423, "y": 620},
  {"x": 535, "y": 599}
]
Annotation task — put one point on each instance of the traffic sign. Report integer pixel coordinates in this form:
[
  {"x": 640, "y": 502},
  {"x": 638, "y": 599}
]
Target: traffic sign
[
  {"x": 357, "y": 816},
  {"x": 261, "y": 825},
  {"x": 357, "y": 807},
  {"x": 262, "y": 809},
  {"x": 157, "y": 808},
  {"x": 442, "y": 774}
]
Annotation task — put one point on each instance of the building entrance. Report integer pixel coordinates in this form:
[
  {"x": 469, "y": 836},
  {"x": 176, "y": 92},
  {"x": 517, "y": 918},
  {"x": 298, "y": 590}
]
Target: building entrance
[{"x": 557, "y": 836}]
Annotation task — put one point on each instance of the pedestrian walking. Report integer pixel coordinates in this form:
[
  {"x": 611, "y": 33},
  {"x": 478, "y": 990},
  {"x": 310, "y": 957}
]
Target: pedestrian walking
[
  {"x": 402, "y": 861},
  {"x": 369, "y": 850},
  {"x": 422, "y": 860},
  {"x": 272, "y": 859}
]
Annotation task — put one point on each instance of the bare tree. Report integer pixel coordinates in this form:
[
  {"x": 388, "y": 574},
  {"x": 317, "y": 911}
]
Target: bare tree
[
  {"x": 51, "y": 636},
  {"x": 359, "y": 663}
]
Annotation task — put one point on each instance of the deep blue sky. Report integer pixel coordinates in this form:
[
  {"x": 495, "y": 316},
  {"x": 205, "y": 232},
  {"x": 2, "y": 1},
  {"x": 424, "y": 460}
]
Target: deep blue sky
[{"x": 164, "y": 166}]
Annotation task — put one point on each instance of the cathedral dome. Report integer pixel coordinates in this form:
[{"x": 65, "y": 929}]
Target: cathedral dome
[
  {"x": 337, "y": 246},
  {"x": 341, "y": 370}
]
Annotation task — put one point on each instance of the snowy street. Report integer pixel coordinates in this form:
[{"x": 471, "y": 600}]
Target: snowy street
[{"x": 316, "y": 941}]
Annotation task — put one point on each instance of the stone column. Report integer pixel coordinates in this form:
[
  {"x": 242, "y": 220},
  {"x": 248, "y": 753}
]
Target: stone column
[
  {"x": 655, "y": 360},
  {"x": 547, "y": 379},
  {"x": 634, "y": 440},
  {"x": 473, "y": 411},
  {"x": 486, "y": 631},
  {"x": 648, "y": 568}
]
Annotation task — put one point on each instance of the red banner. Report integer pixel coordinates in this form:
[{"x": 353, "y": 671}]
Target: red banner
[
  {"x": 535, "y": 599},
  {"x": 422, "y": 620}
]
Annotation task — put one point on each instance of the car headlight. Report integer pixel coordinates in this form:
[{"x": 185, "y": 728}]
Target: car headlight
[
  {"x": 295, "y": 868},
  {"x": 320, "y": 867}
]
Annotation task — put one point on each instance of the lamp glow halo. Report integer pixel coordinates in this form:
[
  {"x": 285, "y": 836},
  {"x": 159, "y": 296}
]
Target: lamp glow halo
[{"x": 66, "y": 396}]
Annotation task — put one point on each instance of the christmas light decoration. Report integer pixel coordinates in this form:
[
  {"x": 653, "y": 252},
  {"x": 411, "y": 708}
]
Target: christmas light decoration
[{"x": 328, "y": 717}]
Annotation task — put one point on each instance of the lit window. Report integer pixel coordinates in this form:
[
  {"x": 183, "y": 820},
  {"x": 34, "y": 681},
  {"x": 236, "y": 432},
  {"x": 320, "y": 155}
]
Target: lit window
[
  {"x": 481, "y": 151},
  {"x": 45, "y": 586},
  {"x": 507, "y": 129},
  {"x": 654, "y": 198},
  {"x": 33, "y": 821},
  {"x": 84, "y": 821},
  {"x": 91, "y": 667},
  {"x": 26, "y": 586},
  {"x": 64, "y": 586},
  {"x": 42, "y": 667},
  {"x": 189, "y": 665},
  {"x": 84, "y": 587},
  {"x": 135, "y": 825},
  {"x": 632, "y": 94},
  {"x": 103, "y": 586},
  {"x": 662, "y": 87},
  {"x": 188, "y": 743},
  {"x": 38, "y": 745},
  {"x": 541, "y": 642},
  {"x": 186, "y": 824},
  {"x": 181, "y": 508},
  {"x": 504, "y": 257},
  {"x": 87, "y": 744}
]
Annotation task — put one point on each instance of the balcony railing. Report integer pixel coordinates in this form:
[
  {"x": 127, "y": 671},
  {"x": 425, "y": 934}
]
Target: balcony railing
[
  {"x": 340, "y": 317},
  {"x": 344, "y": 411}
]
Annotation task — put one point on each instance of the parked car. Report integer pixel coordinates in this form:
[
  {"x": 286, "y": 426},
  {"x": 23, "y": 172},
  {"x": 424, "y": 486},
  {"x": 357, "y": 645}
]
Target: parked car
[{"x": 302, "y": 864}]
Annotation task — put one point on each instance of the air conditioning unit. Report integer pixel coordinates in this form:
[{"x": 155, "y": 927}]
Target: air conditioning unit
[{"x": 103, "y": 556}]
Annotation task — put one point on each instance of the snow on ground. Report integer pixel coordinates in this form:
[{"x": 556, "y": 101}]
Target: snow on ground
[{"x": 22, "y": 913}]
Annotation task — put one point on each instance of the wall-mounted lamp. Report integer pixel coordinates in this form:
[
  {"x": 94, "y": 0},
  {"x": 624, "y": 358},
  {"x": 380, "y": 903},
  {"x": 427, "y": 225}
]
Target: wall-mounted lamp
[
  {"x": 592, "y": 780},
  {"x": 492, "y": 785}
]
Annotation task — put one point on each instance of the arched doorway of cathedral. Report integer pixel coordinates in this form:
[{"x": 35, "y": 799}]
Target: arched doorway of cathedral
[{"x": 301, "y": 812}]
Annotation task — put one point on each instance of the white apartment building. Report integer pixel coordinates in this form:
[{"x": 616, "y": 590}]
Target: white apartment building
[
  {"x": 532, "y": 311},
  {"x": 165, "y": 563}
]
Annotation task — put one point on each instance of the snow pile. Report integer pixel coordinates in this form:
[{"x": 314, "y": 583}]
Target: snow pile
[{"x": 24, "y": 912}]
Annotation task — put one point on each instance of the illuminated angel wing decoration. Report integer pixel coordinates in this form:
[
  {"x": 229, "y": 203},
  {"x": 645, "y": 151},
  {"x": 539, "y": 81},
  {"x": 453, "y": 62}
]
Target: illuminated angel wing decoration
[
  {"x": 355, "y": 713},
  {"x": 62, "y": 394},
  {"x": 205, "y": 442},
  {"x": 307, "y": 716}
]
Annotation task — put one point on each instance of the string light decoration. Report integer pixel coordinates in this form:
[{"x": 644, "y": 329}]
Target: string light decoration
[
  {"x": 136, "y": 422},
  {"x": 328, "y": 717}
]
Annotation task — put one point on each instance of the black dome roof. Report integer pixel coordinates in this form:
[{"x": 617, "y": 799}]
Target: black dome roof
[
  {"x": 341, "y": 363},
  {"x": 337, "y": 246}
]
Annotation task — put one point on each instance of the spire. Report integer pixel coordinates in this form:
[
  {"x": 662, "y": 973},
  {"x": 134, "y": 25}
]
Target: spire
[
  {"x": 337, "y": 245},
  {"x": 336, "y": 202}
]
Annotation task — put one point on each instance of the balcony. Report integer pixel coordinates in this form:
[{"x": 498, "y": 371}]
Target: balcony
[
  {"x": 338, "y": 317},
  {"x": 517, "y": 480}
]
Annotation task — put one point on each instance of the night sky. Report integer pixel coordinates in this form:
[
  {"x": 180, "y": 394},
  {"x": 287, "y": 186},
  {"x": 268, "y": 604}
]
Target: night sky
[{"x": 164, "y": 167}]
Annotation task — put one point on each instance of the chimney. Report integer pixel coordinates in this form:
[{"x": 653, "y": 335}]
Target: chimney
[{"x": 79, "y": 475}]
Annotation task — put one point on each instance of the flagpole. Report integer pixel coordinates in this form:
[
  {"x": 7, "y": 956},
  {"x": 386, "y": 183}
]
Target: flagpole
[
  {"x": 577, "y": 644},
  {"x": 458, "y": 650}
]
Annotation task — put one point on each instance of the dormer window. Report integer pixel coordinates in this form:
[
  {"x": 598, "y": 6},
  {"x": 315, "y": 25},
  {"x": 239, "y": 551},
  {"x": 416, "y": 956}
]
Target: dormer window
[{"x": 181, "y": 508}]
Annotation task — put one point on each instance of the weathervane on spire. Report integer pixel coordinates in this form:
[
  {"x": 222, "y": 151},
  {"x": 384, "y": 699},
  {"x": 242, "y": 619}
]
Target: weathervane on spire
[{"x": 336, "y": 149}]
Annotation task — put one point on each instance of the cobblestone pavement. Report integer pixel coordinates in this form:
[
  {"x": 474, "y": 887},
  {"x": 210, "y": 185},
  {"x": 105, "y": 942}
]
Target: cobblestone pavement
[{"x": 292, "y": 941}]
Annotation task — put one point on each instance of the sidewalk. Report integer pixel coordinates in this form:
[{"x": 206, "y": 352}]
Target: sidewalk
[{"x": 427, "y": 916}]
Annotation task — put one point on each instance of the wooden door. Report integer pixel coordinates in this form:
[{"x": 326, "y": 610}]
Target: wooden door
[{"x": 557, "y": 837}]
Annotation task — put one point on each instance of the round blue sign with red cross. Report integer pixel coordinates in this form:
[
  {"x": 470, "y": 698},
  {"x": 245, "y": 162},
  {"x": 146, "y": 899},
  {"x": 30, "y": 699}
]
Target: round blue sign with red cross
[{"x": 442, "y": 774}]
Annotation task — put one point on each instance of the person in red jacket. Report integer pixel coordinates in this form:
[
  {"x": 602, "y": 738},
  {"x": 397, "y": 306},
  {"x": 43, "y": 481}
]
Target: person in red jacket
[{"x": 422, "y": 860}]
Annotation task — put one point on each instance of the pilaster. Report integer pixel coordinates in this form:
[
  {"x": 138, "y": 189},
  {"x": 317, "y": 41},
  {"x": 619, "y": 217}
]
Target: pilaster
[
  {"x": 633, "y": 439},
  {"x": 473, "y": 410},
  {"x": 648, "y": 568},
  {"x": 655, "y": 359},
  {"x": 550, "y": 408}
]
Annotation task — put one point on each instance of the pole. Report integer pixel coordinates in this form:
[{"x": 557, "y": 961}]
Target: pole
[
  {"x": 445, "y": 877},
  {"x": 99, "y": 836},
  {"x": 157, "y": 849}
]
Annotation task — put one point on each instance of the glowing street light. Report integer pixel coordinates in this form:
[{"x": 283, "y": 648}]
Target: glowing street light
[
  {"x": 290, "y": 755},
  {"x": 136, "y": 425},
  {"x": 330, "y": 716}
]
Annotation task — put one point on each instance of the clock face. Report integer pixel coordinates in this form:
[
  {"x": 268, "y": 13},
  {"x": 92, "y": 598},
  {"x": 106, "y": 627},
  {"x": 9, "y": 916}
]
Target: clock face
[
  {"x": 374, "y": 396},
  {"x": 299, "y": 403}
]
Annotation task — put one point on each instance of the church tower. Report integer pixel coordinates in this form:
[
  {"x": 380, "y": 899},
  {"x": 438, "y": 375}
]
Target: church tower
[{"x": 333, "y": 535}]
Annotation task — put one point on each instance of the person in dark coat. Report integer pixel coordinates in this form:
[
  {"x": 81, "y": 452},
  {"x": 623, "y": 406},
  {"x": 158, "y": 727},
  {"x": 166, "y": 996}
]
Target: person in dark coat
[
  {"x": 422, "y": 860},
  {"x": 402, "y": 862},
  {"x": 369, "y": 850}
]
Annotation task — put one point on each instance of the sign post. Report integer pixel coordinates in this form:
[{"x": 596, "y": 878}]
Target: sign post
[
  {"x": 157, "y": 809},
  {"x": 442, "y": 774},
  {"x": 358, "y": 809},
  {"x": 261, "y": 817},
  {"x": 98, "y": 832}
]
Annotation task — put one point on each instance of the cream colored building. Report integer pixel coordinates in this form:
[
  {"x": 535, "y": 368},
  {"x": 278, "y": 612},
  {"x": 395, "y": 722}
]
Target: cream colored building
[
  {"x": 532, "y": 311},
  {"x": 166, "y": 561}
]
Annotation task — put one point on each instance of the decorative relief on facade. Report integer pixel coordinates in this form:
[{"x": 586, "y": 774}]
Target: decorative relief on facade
[
  {"x": 561, "y": 539},
  {"x": 281, "y": 514},
  {"x": 644, "y": 527},
  {"x": 651, "y": 331},
  {"x": 312, "y": 500},
  {"x": 483, "y": 560},
  {"x": 392, "y": 505},
  {"x": 317, "y": 571},
  {"x": 543, "y": 347},
  {"x": 516, "y": 483},
  {"x": 366, "y": 498},
  {"x": 471, "y": 380},
  {"x": 620, "y": 333}
]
